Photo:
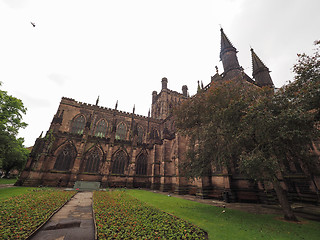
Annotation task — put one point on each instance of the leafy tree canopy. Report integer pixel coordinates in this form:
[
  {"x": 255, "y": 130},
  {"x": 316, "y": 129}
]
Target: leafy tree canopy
[{"x": 12, "y": 152}]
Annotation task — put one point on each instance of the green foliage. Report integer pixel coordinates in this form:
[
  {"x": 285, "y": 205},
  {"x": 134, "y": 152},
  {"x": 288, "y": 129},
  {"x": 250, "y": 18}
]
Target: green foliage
[
  {"x": 120, "y": 216},
  {"x": 232, "y": 224},
  {"x": 281, "y": 129},
  {"x": 12, "y": 152},
  {"x": 212, "y": 121},
  {"x": 22, "y": 214},
  {"x": 11, "y": 110}
]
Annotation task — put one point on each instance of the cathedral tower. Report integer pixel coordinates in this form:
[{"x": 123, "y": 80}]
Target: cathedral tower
[{"x": 163, "y": 103}]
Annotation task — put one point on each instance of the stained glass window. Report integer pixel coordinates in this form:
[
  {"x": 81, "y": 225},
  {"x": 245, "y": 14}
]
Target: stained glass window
[
  {"x": 141, "y": 165},
  {"x": 121, "y": 132},
  {"x": 119, "y": 162},
  {"x": 65, "y": 159},
  {"x": 78, "y": 125},
  {"x": 101, "y": 129}
]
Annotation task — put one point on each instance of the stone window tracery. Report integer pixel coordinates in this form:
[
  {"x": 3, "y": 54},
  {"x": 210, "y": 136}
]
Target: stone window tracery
[
  {"x": 101, "y": 128},
  {"x": 93, "y": 161},
  {"x": 119, "y": 162},
  {"x": 64, "y": 159},
  {"x": 78, "y": 125},
  {"x": 141, "y": 165},
  {"x": 121, "y": 132}
]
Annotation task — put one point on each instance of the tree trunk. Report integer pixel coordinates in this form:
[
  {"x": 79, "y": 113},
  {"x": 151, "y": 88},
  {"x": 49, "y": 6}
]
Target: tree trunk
[{"x": 284, "y": 202}]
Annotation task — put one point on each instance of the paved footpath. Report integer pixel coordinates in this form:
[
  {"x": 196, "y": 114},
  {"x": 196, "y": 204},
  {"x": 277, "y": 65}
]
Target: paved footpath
[{"x": 74, "y": 221}]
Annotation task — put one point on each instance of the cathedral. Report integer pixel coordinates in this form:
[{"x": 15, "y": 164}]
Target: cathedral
[{"x": 91, "y": 143}]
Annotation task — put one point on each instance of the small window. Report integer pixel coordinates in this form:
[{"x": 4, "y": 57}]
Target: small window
[
  {"x": 101, "y": 129},
  {"x": 78, "y": 125},
  {"x": 121, "y": 132}
]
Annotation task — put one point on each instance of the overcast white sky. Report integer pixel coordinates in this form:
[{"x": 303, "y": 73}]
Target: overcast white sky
[{"x": 121, "y": 49}]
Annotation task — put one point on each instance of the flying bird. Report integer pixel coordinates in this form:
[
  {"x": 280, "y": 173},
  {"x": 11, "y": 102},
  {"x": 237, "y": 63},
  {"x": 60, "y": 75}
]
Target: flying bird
[{"x": 33, "y": 24}]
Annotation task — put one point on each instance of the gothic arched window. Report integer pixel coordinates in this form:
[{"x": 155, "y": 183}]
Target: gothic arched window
[
  {"x": 92, "y": 161},
  {"x": 119, "y": 162},
  {"x": 121, "y": 132},
  {"x": 140, "y": 134},
  {"x": 101, "y": 128},
  {"x": 78, "y": 125},
  {"x": 141, "y": 165},
  {"x": 65, "y": 159},
  {"x": 154, "y": 134}
]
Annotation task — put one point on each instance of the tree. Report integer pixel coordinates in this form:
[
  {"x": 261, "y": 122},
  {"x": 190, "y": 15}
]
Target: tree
[
  {"x": 211, "y": 121},
  {"x": 12, "y": 153},
  {"x": 263, "y": 132},
  {"x": 279, "y": 131}
]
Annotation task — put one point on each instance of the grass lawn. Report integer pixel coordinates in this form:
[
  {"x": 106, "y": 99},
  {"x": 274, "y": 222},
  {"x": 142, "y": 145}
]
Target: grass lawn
[
  {"x": 8, "y": 181},
  {"x": 232, "y": 224},
  {"x": 9, "y": 192}
]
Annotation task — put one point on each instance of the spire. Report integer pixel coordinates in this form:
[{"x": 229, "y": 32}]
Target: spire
[
  {"x": 257, "y": 64},
  {"x": 149, "y": 113},
  {"x": 134, "y": 108},
  {"x": 116, "y": 105},
  {"x": 226, "y": 45},
  {"x": 259, "y": 71},
  {"x": 228, "y": 56}
]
